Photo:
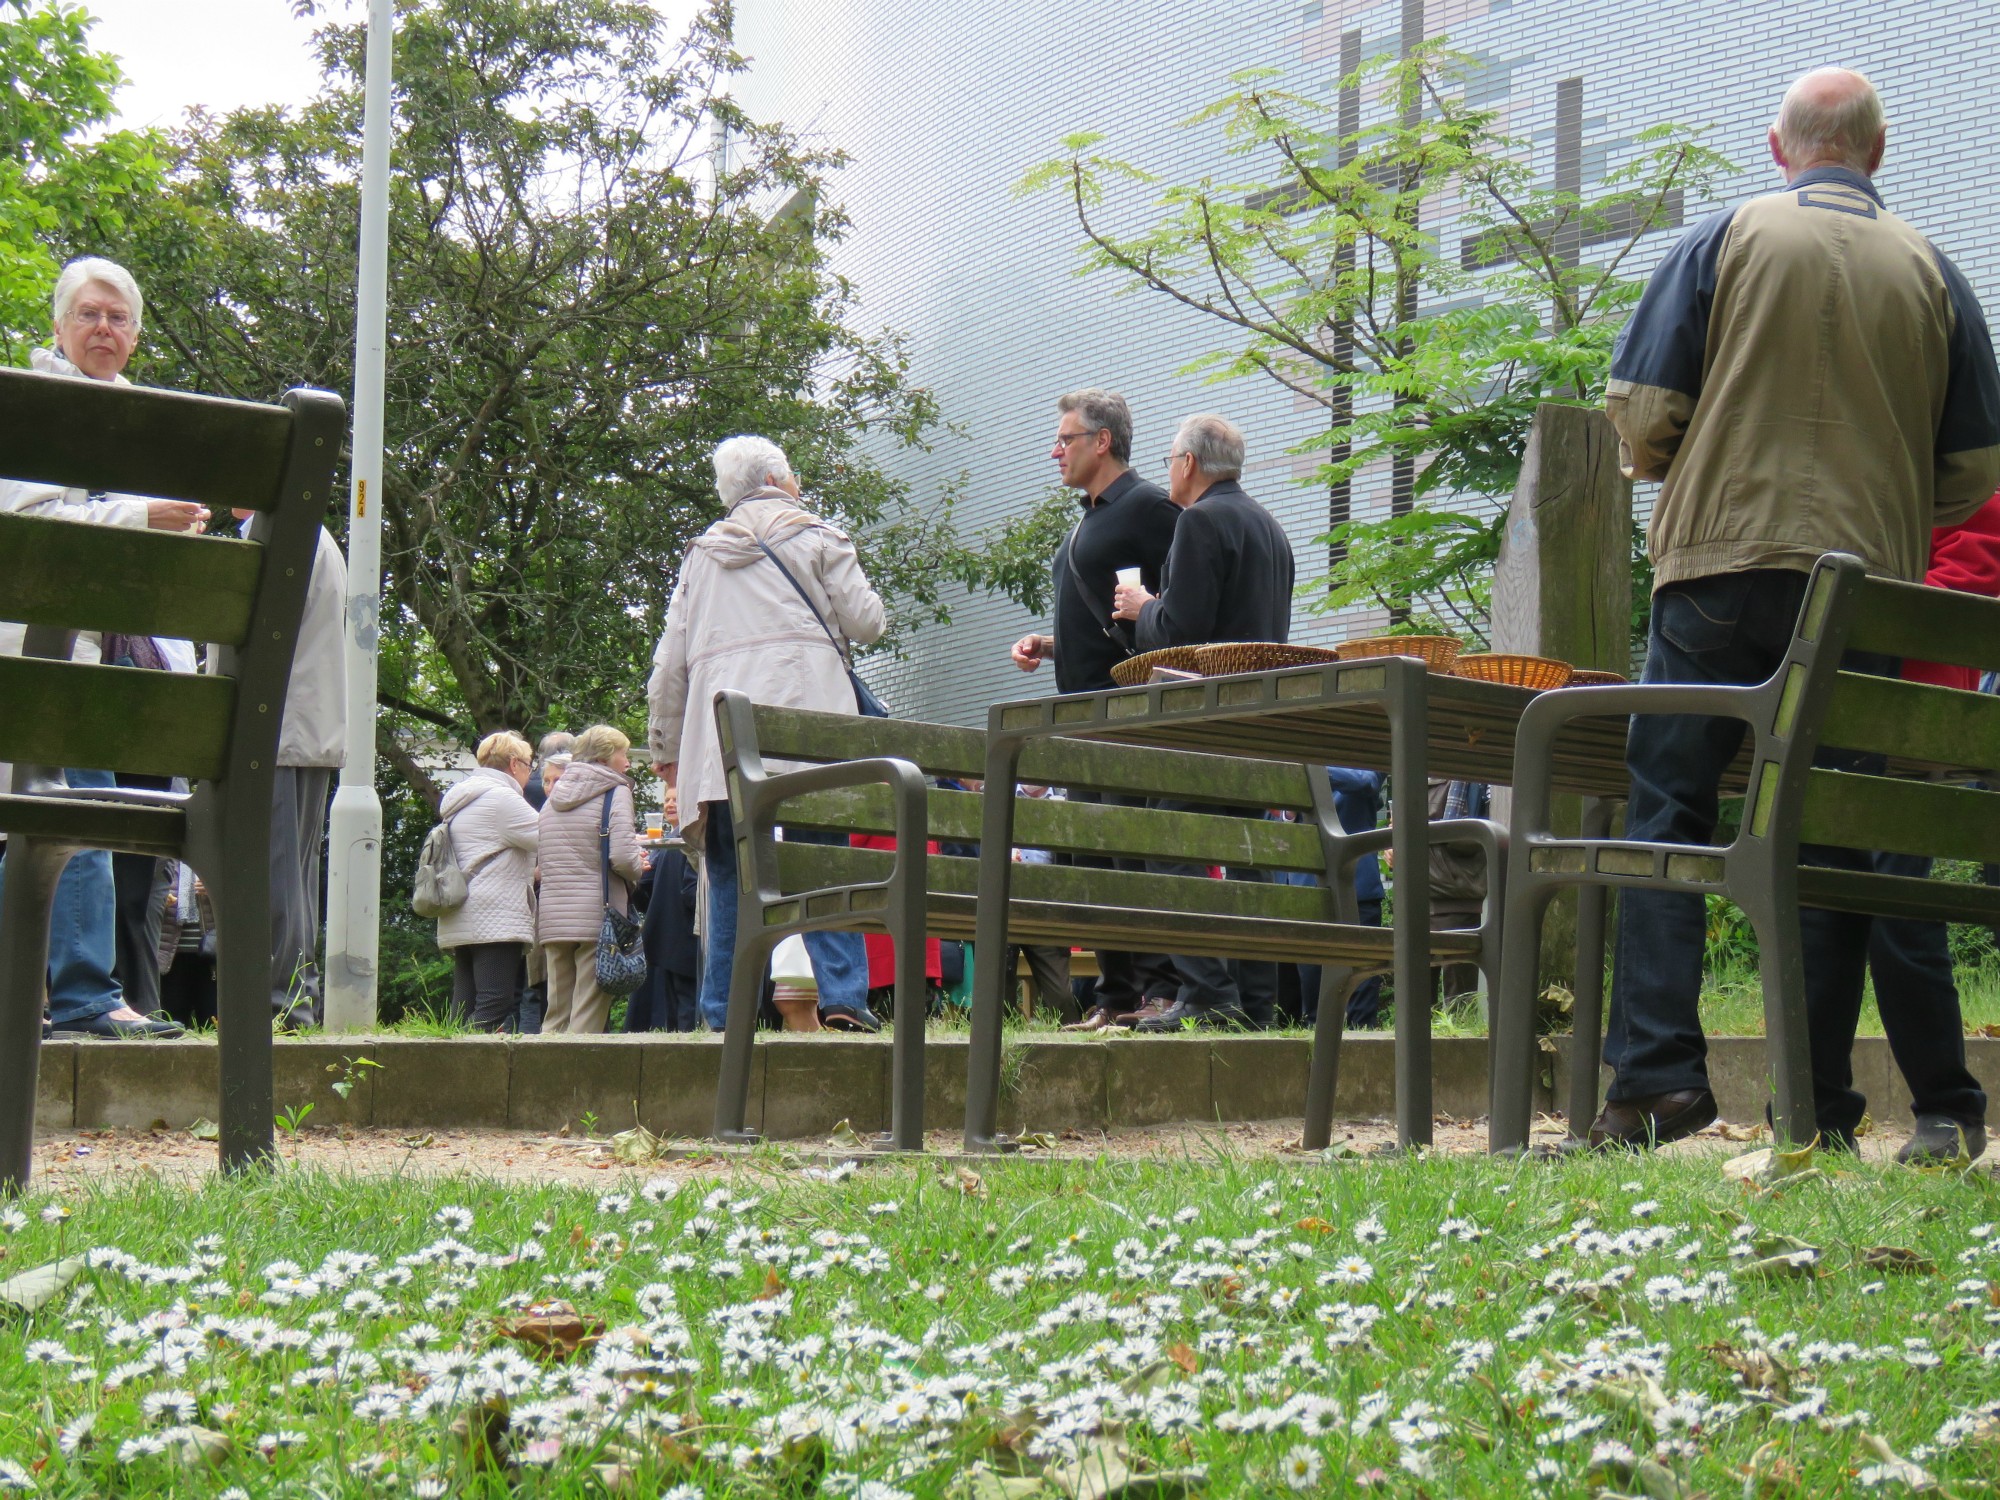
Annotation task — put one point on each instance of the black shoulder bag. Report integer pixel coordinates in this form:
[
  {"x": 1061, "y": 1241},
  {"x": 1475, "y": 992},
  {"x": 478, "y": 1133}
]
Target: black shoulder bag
[
  {"x": 1091, "y": 602},
  {"x": 865, "y": 700},
  {"x": 621, "y": 951}
]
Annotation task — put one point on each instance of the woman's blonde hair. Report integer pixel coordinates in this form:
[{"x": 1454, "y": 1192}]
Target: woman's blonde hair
[
  {"x": 501, "y": 750},
  {"x": 599, "y": 743}
]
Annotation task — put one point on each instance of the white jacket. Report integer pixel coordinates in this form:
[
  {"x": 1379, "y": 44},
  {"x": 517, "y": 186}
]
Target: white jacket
[
  {"x": 315, "y": 728},
  {"x": 734, "y": 622},
  {"x": 494, "y": 833}
]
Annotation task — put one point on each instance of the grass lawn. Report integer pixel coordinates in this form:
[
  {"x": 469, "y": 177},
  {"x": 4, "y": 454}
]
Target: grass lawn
[{"x": 1432, "y": 1327}]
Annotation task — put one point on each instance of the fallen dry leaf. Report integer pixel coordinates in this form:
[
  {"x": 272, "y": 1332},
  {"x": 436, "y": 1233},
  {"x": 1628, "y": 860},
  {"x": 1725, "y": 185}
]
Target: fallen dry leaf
[
  {"x": 1183, "y": 1356},
  {"x": 1896, "y": 1258},
  {"x": 774, "y": 1285},
  {"x": 1314, "y": 1226},
  {"x": 551, "y": 1330},
  {"x": 1758, "y": 1369}
]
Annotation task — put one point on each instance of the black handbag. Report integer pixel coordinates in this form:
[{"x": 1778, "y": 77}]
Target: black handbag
[
  {"x": 621, "y": 952},
  {"x": 865, "y": 701}
]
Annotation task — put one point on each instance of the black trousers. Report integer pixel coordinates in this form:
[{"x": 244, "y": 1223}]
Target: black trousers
[
  {"x": 1125, "y": 980},
  {"x": 1049, "y": 967},
  {"x": 1209, "y": 983},
  {"x": 139, "y": 887},
  {"x": 484, "y": 984}
]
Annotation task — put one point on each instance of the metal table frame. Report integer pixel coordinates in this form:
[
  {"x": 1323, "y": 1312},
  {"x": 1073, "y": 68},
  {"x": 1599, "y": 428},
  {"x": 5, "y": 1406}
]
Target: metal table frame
[{"x": 1382, "y": 713}]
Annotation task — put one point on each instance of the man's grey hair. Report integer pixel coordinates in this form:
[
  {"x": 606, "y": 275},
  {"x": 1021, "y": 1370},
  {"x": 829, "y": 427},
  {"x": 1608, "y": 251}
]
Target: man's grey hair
[
  {"x": 79, "y": 274},
  {"x": 1822, "y": 122},
  {"x": 1103, "y": 411},
  {"x": 1216, "y": 443},
  {"x": 744, "y": 465},
  {"x": 556, "y": 742}
]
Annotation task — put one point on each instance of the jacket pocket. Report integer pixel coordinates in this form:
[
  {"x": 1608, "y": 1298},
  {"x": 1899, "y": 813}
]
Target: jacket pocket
[{"x": 1702, "y": 615}]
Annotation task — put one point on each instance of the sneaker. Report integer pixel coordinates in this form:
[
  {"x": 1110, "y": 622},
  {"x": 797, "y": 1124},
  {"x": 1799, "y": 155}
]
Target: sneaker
[
  {"x": 1938, "y": 1139},
  {"x": 143, "y": 1029},
  {"x": 842, "y": 1018}
]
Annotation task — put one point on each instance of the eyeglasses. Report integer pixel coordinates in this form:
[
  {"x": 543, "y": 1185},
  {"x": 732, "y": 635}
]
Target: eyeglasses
[
  {"x": 1066, "y": 438},
  {"x": 1170, "y": 460},
  {"x": 116, "y": 321}
]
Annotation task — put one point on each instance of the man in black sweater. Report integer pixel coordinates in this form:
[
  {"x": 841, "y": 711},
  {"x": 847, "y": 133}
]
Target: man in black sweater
[
  {"x": 1127, "y": 522},
  {"x": 1228, "y": 578}
]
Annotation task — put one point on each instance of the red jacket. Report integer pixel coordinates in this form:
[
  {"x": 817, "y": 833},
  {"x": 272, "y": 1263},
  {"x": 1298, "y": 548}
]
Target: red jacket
[
  {"x": 881, "y": 947},
  {"x": 1965, "y": 557}
]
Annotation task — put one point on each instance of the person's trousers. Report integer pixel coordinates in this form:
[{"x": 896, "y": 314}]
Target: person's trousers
[
  {"x": 1910, "y": 963},
  {"x": 139, "y": 883},
  {"x": 298, "y": 841},
  {"x": 839, "y": 959},
  {"x": 484, "y": 980},
  {"x": 665, "y": 1002},
  {"x": 576, "y": 1004},
  {"x": 1210, "y": 983},
  {"x": 1048, "y": 965},
  {"x": 1125, "y": 981},
  {"x": 1731, "y": 628},
  {"x": 83, "y": 949},
  {"x": 1364, "y": 1002}
]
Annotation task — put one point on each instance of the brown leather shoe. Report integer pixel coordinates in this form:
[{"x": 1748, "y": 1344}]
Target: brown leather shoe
[
  {"x": 1639, "y": 1124},
  {"x": 1156, "y": 1006},
  {"x": 1099, "y": 1019}
]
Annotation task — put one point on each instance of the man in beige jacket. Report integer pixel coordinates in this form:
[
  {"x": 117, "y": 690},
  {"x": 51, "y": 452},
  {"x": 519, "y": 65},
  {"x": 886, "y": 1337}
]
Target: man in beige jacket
[{"x": 1807, "y": 374}]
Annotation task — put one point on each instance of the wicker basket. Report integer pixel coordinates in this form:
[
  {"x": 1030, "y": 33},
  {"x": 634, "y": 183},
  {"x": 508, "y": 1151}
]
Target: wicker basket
[
  {"x": 1584, "y": 678},
  {"x": 1226, "y": 658},
  {"x": 1437, "y": 652},
  {"x": 1537, "y": 672},
  {"x": 1134, "y": 670}
]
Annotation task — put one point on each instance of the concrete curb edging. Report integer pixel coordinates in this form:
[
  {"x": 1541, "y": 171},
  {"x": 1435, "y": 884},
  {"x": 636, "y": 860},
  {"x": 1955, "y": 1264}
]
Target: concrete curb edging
[{"x": 804, "y": 1086}]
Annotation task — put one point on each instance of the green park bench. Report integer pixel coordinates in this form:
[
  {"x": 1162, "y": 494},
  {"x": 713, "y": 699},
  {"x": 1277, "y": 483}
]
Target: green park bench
[
  {"x": 1938, "y": 743},
  {"x": 219, "y": 731},
  {"x": 870, "y": 776}
]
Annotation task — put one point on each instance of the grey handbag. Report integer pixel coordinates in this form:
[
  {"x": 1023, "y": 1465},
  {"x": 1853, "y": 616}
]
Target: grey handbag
[{"x": 621, "y": 952}]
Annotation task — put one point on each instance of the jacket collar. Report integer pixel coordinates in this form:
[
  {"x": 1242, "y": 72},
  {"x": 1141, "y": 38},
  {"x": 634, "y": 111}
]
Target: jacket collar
[
  {"x": 1842, "y": 176},
  {"x": 1220, "y": 487},
  {"x": 1111, "y": 494}
]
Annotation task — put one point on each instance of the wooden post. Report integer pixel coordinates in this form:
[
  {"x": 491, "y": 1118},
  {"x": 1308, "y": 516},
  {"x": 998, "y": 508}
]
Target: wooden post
[{"x": 1563, "y": 588}]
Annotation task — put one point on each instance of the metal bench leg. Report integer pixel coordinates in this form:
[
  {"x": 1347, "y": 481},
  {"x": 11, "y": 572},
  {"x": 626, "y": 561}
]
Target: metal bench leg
[
  {"x": 1587, "y": 1014},
  {"x": 32, "y": 868},
  {"x": 746, "y": 983},
  {"x": 906, "y": 1062},
  {"x": 1787, "y": 1045},
  {"x": 1513, "y": 1030},
  {"x": 242, "y": 890},
  {"x": 1335, "y": 985}
]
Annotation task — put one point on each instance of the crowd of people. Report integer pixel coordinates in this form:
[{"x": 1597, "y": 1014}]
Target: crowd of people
[{"x": 1805, "y": 373}]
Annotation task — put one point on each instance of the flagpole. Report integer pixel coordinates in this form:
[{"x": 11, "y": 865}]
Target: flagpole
[{"x": 354, "y": 843}]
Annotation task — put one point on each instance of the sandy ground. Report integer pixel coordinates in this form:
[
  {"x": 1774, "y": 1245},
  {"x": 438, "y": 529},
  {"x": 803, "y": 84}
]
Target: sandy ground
[{"x": 75, "y": 1157}]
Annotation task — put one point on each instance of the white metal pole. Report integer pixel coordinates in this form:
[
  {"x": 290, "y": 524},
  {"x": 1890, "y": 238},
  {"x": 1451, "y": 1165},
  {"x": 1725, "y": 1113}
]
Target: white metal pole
[{"x": 354, "y": 842}]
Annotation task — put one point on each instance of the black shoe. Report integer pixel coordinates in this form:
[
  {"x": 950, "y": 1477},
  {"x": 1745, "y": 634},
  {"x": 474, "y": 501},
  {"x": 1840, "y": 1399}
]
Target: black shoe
[
  {"x": 102, "y": 1025},
  {"x": 1208, "y": 1017},
  {"x": 292, "y": 1022},
  {"x": 1638, "y": 1124},
  {"x": 1938, "y": 1140},
  {"x": 841, "y": 1018}
]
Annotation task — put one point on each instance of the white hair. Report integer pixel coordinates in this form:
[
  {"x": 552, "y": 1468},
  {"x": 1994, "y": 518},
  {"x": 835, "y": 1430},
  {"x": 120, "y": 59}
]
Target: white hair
[
  {"x": 1823, "y": 124},
  {"x": 1215, "y": 442},
  {"x": 79, "y": 274},
  {"x": 746, "y": 464}
]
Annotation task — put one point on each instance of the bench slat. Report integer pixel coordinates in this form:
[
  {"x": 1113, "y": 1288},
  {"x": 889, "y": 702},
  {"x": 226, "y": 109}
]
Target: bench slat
[
  {"x": 1041, "y": 914},
  {"x": 1914, "y": 721},
  {"x": 807, "y": 866},
  {"x": 1854, "y": 811},
  {"x": 85, "y": 434},
  {"x": 115, "y": 718},
  {"x": 948, "y": 750},
  {"x": 1084, "y": 828},
  {"x": 159, "y": 831},
  {"x": 137, "y": 581},
  {"x": 1907, "y": 619},
  {"x": 1898, "y": 896}
]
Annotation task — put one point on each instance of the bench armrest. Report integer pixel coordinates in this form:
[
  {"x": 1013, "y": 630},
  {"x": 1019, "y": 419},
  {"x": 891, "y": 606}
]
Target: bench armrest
[{"x": 1543, "y": 719}]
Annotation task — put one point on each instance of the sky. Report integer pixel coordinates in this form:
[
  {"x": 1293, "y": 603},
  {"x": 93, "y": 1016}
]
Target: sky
[{"x": 223, "y": 53}]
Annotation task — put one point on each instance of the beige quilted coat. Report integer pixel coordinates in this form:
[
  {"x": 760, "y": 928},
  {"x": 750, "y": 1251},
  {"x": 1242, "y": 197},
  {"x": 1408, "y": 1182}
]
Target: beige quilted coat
[{"x": 572, "y": 909}]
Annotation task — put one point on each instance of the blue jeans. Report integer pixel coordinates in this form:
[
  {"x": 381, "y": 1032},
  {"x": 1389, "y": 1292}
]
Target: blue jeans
[
  {"x": 1731, "y": 628},
  {"x": 83, "y": 945},
  {"x": 839, "y": 959},
  {"x": 1364, "y": 1005}
]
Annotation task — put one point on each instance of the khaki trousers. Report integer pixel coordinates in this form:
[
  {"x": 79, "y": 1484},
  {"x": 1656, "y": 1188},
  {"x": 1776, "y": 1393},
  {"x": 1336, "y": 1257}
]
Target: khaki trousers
[{"x": 575, "y": 1002}]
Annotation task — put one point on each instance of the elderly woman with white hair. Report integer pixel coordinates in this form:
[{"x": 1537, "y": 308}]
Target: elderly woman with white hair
[
  {"x": 737, "y": 621},
  {"x": 97, "y": 307}
]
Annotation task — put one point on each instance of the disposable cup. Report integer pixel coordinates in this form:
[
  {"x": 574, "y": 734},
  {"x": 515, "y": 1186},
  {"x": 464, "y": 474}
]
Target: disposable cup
[{"x": 1129, "y": 576}]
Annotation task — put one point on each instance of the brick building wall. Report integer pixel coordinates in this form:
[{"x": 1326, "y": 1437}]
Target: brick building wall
[{"x": 943, "y": 107}]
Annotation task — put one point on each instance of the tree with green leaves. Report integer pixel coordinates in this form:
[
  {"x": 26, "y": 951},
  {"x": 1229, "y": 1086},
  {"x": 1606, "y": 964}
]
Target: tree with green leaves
[
  {"x": 67, "y": 185},
  {"x": 584, "y": 297},
  {"x": 1326, "y": 258}
]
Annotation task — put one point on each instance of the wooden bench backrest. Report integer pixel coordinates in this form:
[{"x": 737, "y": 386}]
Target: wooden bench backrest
[
  {"x": 1054, "y": 824},
  {"x": 1914, "y": 725},
  {"x": 62, "y": 576}
]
